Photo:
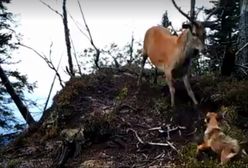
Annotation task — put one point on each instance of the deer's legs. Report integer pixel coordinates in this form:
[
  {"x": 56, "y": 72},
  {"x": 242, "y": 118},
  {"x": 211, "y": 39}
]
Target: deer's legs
[{"x": 189, "y": 90}]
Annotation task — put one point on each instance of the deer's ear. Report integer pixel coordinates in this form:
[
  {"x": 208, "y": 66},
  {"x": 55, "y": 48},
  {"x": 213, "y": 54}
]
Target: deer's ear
[{"x": 187, "y": 26}]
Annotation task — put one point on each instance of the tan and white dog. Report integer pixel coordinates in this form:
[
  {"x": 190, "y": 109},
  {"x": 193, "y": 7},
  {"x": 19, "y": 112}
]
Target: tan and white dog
[{"x": 214, "y": 139}]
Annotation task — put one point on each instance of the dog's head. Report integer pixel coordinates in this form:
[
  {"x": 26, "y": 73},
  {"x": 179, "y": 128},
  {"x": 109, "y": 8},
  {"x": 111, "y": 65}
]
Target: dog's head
[{"x": 213, "y": 119}]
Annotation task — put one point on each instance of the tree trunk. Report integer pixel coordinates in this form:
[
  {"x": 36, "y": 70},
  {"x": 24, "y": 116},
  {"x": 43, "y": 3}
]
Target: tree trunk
[
  {"x": 22, "y": 108},
  {"x": 67, "y": 39},
  {"x": 242, "y": 57}
]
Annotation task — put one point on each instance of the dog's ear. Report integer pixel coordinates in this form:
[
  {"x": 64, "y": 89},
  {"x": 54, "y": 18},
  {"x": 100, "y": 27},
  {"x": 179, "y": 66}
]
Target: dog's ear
[
  {"x": 206, "y": 120},
  {"x": 219, "y": 117}
]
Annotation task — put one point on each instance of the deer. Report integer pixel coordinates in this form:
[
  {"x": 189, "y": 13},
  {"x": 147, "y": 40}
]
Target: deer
[
  {"x": 172, "y": 54},
  {"x": 214, "y": 139}
]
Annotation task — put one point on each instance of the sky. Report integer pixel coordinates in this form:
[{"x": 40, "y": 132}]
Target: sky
[{"x": 109, "y": 21}]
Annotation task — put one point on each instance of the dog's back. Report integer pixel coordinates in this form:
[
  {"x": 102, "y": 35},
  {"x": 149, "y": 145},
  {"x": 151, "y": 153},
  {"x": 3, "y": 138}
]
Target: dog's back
[{"x": 217, "y": 141}]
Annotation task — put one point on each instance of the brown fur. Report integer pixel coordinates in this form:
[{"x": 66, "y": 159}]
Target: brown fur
[
  {"x": 173, "y": 53},
  {"x": 225, "y": 146}
]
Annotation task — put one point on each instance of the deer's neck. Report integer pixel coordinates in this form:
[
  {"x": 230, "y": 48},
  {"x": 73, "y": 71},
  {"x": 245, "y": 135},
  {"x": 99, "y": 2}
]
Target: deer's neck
[
  {"x": 188, "y": 50},
  {"x": 184, "y": 58}
]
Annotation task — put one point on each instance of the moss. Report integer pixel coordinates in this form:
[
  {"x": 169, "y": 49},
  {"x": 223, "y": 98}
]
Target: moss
[
  {"x": 162, "y": 108},
  {"x": 229, "y": 113},
  {"x": 13, "y": 163},
  {"x": 235, "y": 93},
  {"x": 99, "y": 127},
  {"x": 188, "y": 159},
  {"x": 71, "y": 91},
  {"x": 122, "y": 94}
]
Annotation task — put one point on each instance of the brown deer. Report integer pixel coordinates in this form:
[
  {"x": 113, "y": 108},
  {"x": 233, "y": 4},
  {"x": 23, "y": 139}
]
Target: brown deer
[{"x": 172, "y": 54}]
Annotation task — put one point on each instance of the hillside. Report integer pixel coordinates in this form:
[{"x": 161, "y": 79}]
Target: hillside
[{"x": 105, "y": 120}]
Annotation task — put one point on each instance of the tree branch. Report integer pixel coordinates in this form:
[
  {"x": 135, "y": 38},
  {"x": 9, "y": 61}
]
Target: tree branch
[
  {"x": 90, "y": 36},
  {"x": 57, "y": 12},
  {"x": 246, "y": 44},
  {"x": 51, "y": 88},
  {"x": 75, "y": 56},
  {"x": 49, "y": 62},
  {"x": 77, "y": 25}
]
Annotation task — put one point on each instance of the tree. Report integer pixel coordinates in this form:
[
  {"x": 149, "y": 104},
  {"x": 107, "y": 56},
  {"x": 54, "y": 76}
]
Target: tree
[
  {"x": 165, "y": 20},
  {"x": 64, "y": 17},
  {"x": 242, "y": 57},
  {"x": 14, "y": 87},
  {"x": 67, "y": 39},
  {"x": 223, "y": 35}
]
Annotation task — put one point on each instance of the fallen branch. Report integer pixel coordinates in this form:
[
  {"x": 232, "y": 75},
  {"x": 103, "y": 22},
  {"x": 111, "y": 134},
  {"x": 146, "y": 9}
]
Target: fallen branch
[
  {"x": 168, "y": 129},
  {"x": 152, "y": 143}
]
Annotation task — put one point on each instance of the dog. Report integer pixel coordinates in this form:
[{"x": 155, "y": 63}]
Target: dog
[{"x": 214, "y": 138}]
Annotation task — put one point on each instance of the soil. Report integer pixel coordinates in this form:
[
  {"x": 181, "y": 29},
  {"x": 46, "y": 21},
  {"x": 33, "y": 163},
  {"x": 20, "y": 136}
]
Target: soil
[{"x": 123, "y": 125}]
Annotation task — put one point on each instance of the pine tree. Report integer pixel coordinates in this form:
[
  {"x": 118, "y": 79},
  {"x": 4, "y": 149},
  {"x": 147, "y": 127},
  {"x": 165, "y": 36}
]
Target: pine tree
[
  {"x": 223, "y": 34},
  {"x": 13, "y": 88},
  {"x": 242, "y": 57}
]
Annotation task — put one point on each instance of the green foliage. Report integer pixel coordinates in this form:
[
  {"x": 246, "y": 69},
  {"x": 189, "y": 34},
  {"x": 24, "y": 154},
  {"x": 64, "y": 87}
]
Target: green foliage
[
  {"x": 162, "y": 106},
  {"x": 98, "y": 127},
  {"x": 165, "y": 20},
  {"x": 224, "y": 31},
  {"x": 70, "y": 92},
  {"x": 19, "y": 82},
  {"x": 235, "y": 93},
  {"x": 113, "y": 56},
  {"x": 13, "y": 163},
  {"x": 122, "y": 94},
  {"x": 188, "y": 159}
]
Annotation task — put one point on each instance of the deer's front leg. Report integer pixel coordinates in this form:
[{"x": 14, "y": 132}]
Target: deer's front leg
[
  {"x": 169, "y": 80},
  {"x": 188, "y": 88}
]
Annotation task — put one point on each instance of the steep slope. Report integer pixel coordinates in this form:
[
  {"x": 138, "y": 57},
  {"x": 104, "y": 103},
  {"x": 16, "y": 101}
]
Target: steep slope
[{"x": 105, "y": 120}]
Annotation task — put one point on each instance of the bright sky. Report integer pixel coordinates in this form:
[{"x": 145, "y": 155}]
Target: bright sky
[{"x": 109, "y": 21}]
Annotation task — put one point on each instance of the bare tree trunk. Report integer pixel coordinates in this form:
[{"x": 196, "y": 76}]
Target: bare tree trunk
[
  {"x": 131, "y": 50},
  {"x": 22, "y": 108},
  {"x": 67, "y": 39},
  {"x": 242, "y": 57}
]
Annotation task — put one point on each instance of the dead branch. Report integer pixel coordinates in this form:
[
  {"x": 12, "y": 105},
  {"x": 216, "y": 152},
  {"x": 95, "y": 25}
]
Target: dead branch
[
  {"x": 78, "y": 26},
  {"x": 51, "y": 88},
  {"x": 131, "y": 46},
  {"x": 90, "y": 36},
  {"x": 70, "y": 71},
  {"x": 213, "y": 12},
  {"x": 199, "y": 9},
  {"x": 75, "y": 56},
  {"x": 168, "y": 129},
  {"x": 49, "y": 62},
  {"x": 246, "y": 44},
  {"x": 57, "y": 12},
  {"x": 152, "y": 143}
]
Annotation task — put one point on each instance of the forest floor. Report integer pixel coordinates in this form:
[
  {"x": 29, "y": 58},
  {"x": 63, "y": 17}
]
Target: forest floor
[{"x": 104, "y": 120}]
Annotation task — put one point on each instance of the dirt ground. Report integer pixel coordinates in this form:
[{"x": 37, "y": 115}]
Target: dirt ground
[{"x": 105, "y": 120}]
